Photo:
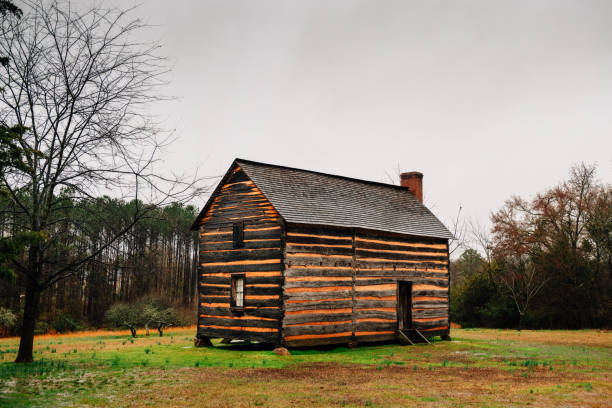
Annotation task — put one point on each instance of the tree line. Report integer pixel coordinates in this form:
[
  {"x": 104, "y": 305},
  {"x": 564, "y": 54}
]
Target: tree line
[
  {"x": 156, "y": 257},
  {"x": 545, "y": 263}
]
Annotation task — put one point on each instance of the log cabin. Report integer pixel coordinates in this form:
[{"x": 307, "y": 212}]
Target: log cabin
[{"x": 300, "y": 258}]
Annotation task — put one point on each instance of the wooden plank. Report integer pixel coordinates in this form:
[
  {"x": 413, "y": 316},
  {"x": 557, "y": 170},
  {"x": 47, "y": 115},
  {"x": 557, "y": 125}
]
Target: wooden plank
[
  {"x": 328, "y": 328},
  {"x": 373, "y": 313},
  {"x": 254, "y": 312},
  {"x": 319, "y": 249},
  {"x": 315, "y": 317},
  {"x": 304, "y": 239},
  {"x": 317, "y": 340},
  {"x": 239, "y": 255},
  {"x": 369, "y": 303},
  {"x": 397, "y": 272},
  {"x": 245, "y": 324},
  {"x": 248, "y": 244},
  {"x": 311, "y": 296},
  {"x": 215, "y": 332},
  {"x": 242, "y": 266},
  {"x": 319, "y": 304},
  {"x": 306, "y": 285},
  {"x": 400, "y": 246},
  {"x": 374, "y": 255},
  {"x": 294, "y": 271}
]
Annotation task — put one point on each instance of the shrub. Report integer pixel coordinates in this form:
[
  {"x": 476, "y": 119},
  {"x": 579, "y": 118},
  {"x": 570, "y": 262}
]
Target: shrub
[
  {"x": 8, "y": 319},
  {"x": 126, "y": 315}
]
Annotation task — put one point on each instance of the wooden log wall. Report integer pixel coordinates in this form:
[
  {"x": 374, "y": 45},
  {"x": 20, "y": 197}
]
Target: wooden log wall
[
  {"x": 382, "y": 260},
  {"x": 259, "y": 259},
  {"x": 341, "y": 285}
]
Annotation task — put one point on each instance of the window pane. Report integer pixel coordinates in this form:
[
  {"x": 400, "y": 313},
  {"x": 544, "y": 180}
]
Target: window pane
[{"x": 239, "y": 292}]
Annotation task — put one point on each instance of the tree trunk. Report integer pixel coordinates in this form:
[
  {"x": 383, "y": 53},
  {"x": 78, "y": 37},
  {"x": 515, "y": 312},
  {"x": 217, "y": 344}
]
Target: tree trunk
[
  {"x": 520, "y": 325},
  {"x": 26, "y": 343},
  {"x": 160, "y": 329},
  {"x": 133, "y": 330},
  {"x": 146, "y": 329}
]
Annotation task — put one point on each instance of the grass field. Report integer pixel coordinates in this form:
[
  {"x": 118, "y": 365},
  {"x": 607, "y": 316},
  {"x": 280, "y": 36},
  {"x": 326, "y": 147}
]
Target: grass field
[{"x": 478, "y": 368}]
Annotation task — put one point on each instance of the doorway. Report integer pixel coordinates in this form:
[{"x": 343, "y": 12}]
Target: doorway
[{"x": 404, "y": 305}]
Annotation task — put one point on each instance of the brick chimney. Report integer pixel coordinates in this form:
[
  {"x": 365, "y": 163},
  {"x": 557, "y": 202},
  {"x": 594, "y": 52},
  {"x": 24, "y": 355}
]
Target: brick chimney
[{"x": 413, "y": 181}]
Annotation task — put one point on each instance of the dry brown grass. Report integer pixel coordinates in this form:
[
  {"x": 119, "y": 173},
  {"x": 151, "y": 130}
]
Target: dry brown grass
[
  {"x": 597, "y": 338},
  {"x": 332, "y": 385}
]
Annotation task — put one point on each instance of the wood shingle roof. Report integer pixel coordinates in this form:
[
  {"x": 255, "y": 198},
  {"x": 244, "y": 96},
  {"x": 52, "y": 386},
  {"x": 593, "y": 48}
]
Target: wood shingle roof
[{"x": 309, "y": 197}]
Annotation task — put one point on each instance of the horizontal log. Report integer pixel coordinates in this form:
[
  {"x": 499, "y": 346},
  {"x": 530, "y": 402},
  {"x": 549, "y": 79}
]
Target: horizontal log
[
  {"x": 254, "y": 312},
  {"x": 205, "y": 298},
  {"x": 316, "y": 317},
  {"x": 430, "y": 304},
  {"x": 240, "y": 255},
  {"x": 377, "y": 336},
  {"x": 426, "y": 325},
  {"x": 262, "y": 302},
  {"x": 244, "y": 323},
  {"x": 375, "y": 326},
  {"x": 318, "y": 295},
  {"x": 246, "y": 265},
  {"x": 252, "y": 229},
  {"x": 321, "y": 304},
  {"x": 371, "y": 268},
  {"x": 318, "y": 271},
  {"x": 317, "y": 260},
  {"x": 313, "y": 340},
  {"x": 376, "y": 293},
  {"x": 319, "y": 249},
  {"x": 394, "y": 271},
  {"x": 214, "y": 291},
  {"x": 428, "y": 313},
  {"x": 316, "y": 239},
  {"x": 294, "y": 230},
  {"x": 249, "y": 222},
  {"x": 270, "y": 266},
  {"x": 317, "y": 329},
  {"x": 248, "y": 244},
  {"x": 216, "y": 332},
  {"x": 378, "y": 314},
  {"x": 370, "y": 280},
  {"x": 399, "y": 246},
  {"x": 248, "y": 274},
  {"x": 315, "y": 284},
  {"x": 369, "y": 303},
  {"x": 385, "y": 238},
  {"x": 302, "y": 279},
  {"x": 400, "y": 256}
]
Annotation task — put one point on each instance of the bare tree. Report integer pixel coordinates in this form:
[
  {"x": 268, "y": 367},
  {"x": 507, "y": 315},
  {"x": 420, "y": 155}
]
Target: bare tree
[
  {"x": 80, "y": 83},
  {"x": 458, "y": 229},
  {"x": 523, "y": 282}
]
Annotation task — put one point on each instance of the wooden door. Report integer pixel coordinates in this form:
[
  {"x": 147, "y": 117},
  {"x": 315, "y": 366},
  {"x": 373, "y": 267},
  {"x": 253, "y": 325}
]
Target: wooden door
[{"x": 404, "y": 305}]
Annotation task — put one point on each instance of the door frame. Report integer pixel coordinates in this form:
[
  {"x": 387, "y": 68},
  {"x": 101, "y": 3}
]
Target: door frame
[{"x": 404, "y": 316}]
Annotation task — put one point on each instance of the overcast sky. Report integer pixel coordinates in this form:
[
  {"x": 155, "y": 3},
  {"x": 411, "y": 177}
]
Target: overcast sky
[{"x": 486, "y": 98}]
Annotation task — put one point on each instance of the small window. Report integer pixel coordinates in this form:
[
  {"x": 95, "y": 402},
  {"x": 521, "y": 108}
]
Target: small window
[
  {"x": 237, "y": 300},
  {"x": 239, "y": 234}
]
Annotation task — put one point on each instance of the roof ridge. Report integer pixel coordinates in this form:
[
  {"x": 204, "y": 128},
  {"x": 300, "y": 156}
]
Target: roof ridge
[{"x": 323, "y": 174}]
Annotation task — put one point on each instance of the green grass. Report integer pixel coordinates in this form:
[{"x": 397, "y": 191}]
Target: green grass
[{"x": 103, "y": 369}]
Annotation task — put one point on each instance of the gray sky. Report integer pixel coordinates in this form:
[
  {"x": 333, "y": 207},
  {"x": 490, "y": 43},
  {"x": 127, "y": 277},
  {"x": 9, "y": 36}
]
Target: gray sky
[{"x": 486, "y": 98}]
